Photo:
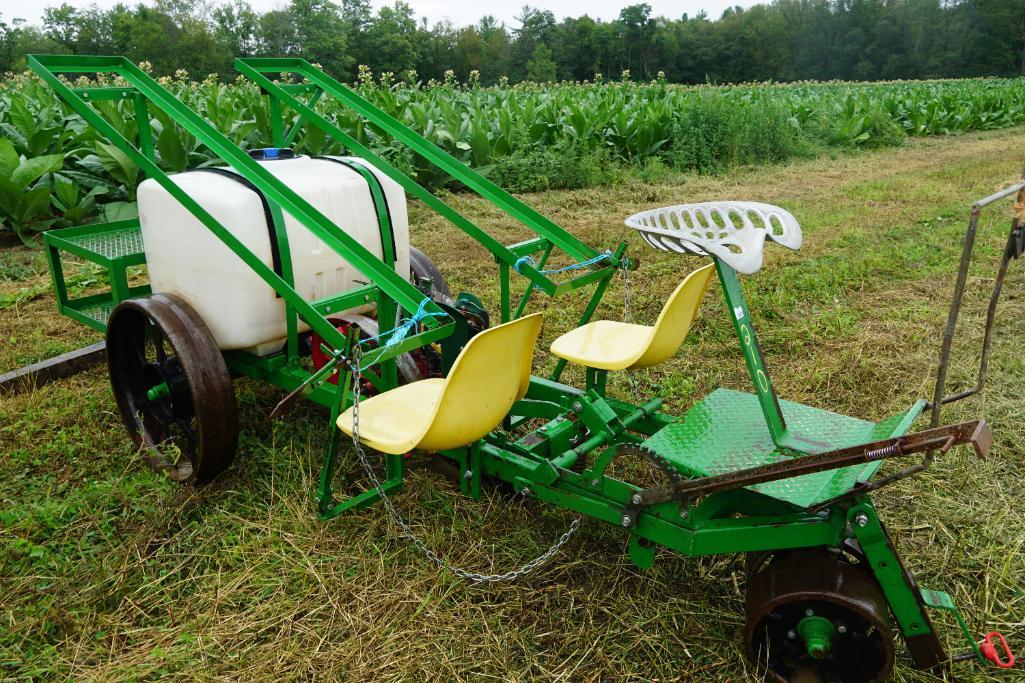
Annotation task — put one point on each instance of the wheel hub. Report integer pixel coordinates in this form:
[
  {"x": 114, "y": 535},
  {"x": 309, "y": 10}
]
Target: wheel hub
[
  {"x": 167, "y": 390},
  {"x": 817, "y": 634}
]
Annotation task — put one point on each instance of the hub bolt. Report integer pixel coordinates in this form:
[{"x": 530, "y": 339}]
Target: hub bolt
[
  {"x": 809, "y": 613},
  {"x": 861, "y": 519},
  {"x": 841, "y": 629},
  {"x": 791, "y": 634}
]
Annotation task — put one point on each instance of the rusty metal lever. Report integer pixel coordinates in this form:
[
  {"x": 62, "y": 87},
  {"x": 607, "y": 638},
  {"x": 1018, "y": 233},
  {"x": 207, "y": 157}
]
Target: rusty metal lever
[{"x": 976, "y": 432}]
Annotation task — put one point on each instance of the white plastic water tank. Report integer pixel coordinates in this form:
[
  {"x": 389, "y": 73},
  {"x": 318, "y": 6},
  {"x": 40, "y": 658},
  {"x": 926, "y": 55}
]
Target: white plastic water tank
[{"x": 242, "y": 311}]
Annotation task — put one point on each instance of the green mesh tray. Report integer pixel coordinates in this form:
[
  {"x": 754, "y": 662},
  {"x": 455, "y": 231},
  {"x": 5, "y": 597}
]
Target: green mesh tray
[
  {"x": 726, "y": 431},
  {"x": 111, "y": 244},
  {"x": 114, "y": 246},
  {"x": 103, "y": 243}
]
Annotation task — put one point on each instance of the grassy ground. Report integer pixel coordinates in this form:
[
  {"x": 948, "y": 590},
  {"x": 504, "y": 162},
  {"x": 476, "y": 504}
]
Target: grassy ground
[{"x": 109, "y": 571}]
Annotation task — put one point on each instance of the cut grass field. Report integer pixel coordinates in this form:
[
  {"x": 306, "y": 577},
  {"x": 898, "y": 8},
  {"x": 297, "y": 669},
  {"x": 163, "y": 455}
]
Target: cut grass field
[{"x": 110, "y": 571}]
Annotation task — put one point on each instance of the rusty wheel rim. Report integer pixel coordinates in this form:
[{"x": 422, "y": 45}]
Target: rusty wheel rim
[
  {"x": 172, "y": 387},
  {"x": 825, "y": 586}
]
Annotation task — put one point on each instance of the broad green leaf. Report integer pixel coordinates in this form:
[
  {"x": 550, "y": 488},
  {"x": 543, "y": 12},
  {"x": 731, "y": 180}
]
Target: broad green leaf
[
  {"x": 31, "y": 169},
  {"x": 35, "y": 203},
  {"x": 172, "y": 152},
  {"x": 117, "y": 164},
  {"x": 10, "y": 197},
  {"x": 120, "y": 211},
  {"x": 89, "y": 181},
  {"x": 15, "y": 136},
  {"x": 66, "y": 192},
  {"x": 481, "y": 146},
  {"x": 9, "y": 158},
  {"x": 77, "y": 215},
  {"x": 22, "y": 118},
  {"x": 40, "y": 141}
]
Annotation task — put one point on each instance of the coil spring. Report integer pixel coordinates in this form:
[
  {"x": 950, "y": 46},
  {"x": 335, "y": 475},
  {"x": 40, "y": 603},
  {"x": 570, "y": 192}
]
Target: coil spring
[{"x": 884, "y": 452}]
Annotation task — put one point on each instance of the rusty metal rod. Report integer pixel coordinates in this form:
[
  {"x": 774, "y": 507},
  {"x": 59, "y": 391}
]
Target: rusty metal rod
[{"x": 943, "y": 438}]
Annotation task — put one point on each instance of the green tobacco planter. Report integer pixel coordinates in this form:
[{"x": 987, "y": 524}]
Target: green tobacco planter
[{"x": 787, "y": 484}]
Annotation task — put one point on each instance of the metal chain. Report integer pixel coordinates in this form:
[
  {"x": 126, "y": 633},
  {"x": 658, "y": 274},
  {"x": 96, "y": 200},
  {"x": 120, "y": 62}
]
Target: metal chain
[
  {"x": 628, "y": 317},
  {"x": 407, "y": 531}
]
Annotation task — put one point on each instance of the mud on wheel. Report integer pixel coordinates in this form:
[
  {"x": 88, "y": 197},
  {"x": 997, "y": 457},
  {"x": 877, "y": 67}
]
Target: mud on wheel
[
  {"x": 815, "y": 615},
  {"x": 172, "y": 387}
]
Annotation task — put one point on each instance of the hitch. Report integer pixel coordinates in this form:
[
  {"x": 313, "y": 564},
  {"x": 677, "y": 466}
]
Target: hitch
[{"x": 989, "y": 650}]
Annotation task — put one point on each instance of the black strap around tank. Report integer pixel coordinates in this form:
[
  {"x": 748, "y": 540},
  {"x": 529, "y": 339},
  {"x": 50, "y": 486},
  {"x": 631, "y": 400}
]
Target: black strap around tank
[
  {"x": 371, "y": 177},
  {"x": 275, "y": 250}
]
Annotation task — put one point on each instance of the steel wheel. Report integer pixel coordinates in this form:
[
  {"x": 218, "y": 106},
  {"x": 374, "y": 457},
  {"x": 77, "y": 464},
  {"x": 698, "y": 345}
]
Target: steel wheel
[
  {"x": 172, "y": 387},
  {"x": 813, "y": 615},
  {"x": 421, "y": 267}
]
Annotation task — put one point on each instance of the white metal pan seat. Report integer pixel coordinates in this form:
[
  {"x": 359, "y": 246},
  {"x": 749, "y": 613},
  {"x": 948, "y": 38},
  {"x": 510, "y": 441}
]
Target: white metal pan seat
[{"x": 732, "y": 231}]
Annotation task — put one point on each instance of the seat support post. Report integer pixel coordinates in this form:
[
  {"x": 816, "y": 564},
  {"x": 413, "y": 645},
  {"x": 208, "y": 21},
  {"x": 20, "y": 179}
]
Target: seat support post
[
  {"x": 468, "y": 460},
  {"x": 395, "y": 466},
  {"x": 596, "y": 379},
  {"x": 736, "y": 305}
]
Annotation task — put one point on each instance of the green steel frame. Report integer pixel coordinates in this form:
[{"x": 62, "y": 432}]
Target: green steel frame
[
  {"x": 317, "y": 85},
  {"x": 576, "y": 426}
]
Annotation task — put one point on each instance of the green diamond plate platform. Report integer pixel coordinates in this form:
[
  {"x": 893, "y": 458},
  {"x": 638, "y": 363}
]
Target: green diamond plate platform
[{"x": 726, "y": 431}]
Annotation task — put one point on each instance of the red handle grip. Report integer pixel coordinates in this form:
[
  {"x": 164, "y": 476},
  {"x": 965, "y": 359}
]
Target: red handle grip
[{"x": 989, "y": 650}]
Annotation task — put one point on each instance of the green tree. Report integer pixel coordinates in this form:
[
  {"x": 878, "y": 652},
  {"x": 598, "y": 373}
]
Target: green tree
[
  {"x": 536, "y": 27},
  {"x": 541, "y": 66},
  {"x": 316, "y": 36},
  {"x": 578, "y": 48},
  {"x": 638, "y": 31},
  {"x": 780, "y": 39},
  {"x": 468, "y": 51},
  {"x": 357, "y": 16},
  {"x": 61, "y": 24},
  {"x": 395, "y": 37},
  {"x": 276, "y": 34},
  {"x": 236, "y": 27},
  {"x": 497, "y": 49},
  {"x": 18, "y": 39}
]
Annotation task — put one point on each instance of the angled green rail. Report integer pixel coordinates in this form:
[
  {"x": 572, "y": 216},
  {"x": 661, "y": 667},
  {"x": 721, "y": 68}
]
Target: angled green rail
[
  {"x": 146, "y": 91},
  {"x": 549, "y": 234}
]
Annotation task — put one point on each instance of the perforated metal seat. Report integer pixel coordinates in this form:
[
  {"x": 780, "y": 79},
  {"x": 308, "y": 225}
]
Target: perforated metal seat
[
  {"x": 732, "y": 231},
  {"x": 491, "y": 373},
  {"x": 610, "y": 345}
]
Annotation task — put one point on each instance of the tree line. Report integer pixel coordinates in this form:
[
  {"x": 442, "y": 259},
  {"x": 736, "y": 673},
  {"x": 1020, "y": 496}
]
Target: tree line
[{"x": 785, "y": 40}]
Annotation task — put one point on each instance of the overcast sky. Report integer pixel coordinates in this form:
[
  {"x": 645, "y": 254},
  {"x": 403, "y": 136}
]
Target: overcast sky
[{"x": 460, "y": 12}]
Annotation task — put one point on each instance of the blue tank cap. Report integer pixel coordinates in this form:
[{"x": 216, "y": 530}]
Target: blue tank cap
[{"x": 271, "y": 153}]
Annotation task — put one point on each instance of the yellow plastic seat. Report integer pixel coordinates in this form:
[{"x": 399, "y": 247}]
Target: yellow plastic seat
[
  {"x": 491, "y": 373},
  {"x": 610, "y": 345}
]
